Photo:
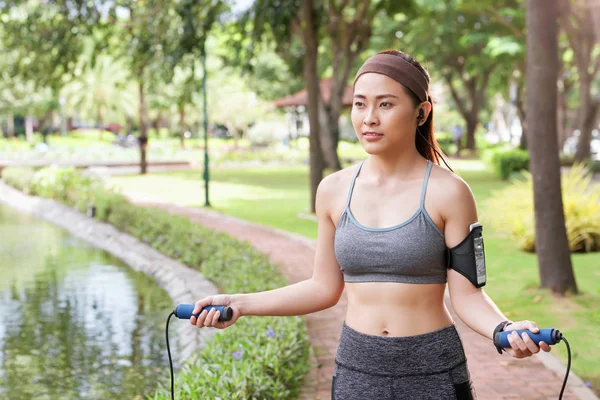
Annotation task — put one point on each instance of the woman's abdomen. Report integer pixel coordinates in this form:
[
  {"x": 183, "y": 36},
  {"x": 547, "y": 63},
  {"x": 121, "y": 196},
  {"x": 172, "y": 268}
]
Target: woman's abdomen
[{"x": 396, "y": 309}]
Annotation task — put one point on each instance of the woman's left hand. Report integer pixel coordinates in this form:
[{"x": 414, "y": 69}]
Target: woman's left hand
[{"x": 523, "y": 346}]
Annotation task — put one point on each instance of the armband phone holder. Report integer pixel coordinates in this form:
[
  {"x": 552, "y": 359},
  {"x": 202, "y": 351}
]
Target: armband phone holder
[{"x": 468, "y": 257}]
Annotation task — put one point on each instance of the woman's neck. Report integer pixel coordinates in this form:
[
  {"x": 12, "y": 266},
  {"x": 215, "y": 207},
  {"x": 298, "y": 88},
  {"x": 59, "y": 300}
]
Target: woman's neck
[{"x": 400, "y": 166}]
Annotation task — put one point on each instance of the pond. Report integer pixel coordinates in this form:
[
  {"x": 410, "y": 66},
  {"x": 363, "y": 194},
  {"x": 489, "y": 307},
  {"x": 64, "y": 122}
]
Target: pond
[{"x": 75, "y": 322}]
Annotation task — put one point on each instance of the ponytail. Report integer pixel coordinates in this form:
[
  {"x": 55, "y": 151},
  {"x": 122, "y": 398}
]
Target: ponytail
[{"x": 425, "y": 140}]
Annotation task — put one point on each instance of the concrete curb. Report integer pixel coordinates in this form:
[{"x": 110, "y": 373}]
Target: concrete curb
[{"x": 574, "y": 383}]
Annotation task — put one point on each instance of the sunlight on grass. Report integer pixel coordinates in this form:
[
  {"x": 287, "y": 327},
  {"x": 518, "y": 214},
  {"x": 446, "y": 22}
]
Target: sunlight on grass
[{"x": 273, "y": 196}]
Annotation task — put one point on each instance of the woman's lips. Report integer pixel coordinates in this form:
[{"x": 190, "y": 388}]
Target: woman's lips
[{"x": 372, "y": 136}]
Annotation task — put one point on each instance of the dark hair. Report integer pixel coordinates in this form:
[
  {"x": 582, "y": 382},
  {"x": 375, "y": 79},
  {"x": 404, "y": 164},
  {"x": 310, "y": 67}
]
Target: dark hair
[{"x": 426, "y": 144}]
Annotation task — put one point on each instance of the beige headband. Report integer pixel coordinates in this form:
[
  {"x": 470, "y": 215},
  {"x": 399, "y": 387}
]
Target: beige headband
[{"x": 399, "y": 70}]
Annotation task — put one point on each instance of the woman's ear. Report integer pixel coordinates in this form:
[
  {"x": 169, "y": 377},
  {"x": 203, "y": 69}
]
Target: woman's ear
[{"x": 424, "y": 111}]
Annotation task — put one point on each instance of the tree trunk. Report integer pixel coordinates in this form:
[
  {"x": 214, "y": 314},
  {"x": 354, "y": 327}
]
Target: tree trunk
[
  {"x": 235, "y": 133},
  {"x": 100, "y": 123},
  {"x": 143, "y": 129},
  {"x": 182, "y": 126},
  {"x": 521, "y": 113},
  {"x": 156, "y": 124},
  {"x": 29, "y": 128},
  {"x": 586, "y": 119},
  {"x": 10, "y": 125},
  {"x": 554, "y": 260},
  {"x": 475, "y": 92},
  {"x": 561, "y": 113},
  {"x": 471, "y": 122},
  {"x": 311, "y": 77},
  {"x": 329, "y": 136}
]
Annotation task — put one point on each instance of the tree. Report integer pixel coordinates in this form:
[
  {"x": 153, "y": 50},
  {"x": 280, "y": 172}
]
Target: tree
[
  {"x": 342, "y": 31},
  {"x": 556, "y": 271},
  {"x": 100, "y": 90},
  {"x": 309, "y": 34},
  {"x": 44, "y": 40},
  {"x": 143, "y": 25},
  {"x": 578, "y": 17},
  {"x": 458, "y": 41}
]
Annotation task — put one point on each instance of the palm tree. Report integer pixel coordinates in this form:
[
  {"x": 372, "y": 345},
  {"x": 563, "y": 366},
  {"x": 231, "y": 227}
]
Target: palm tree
[
  {"x": 101, "y": 89},
  {"x": 554, "y": 260}
]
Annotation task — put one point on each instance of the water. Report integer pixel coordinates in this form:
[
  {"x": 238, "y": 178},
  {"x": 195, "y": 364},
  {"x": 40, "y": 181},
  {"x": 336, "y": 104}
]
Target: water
[{"x": 75, "y": 322}]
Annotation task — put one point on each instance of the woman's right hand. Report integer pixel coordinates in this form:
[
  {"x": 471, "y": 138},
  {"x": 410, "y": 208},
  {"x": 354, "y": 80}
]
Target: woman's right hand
[{"x": 211, "y": 319}]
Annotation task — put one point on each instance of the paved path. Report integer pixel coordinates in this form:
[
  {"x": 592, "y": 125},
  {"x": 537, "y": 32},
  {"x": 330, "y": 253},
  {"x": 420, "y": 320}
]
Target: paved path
[{"x": 495, "y": 377}]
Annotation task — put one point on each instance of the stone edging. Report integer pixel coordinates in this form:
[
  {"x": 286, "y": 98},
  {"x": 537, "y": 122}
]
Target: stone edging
[{"x": 183, "y": 284}]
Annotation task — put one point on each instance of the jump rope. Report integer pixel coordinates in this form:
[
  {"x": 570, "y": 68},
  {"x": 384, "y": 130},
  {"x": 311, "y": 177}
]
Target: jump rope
[
  {"x": 547, "y": 335},
  {"x": 550, "y": 336}
]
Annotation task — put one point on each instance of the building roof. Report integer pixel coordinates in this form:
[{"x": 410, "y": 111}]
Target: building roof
[{"x": 301, "y": 98}]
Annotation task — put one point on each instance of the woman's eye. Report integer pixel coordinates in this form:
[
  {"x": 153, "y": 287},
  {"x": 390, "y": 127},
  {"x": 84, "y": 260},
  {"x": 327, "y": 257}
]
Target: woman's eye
[
  {"x": 385, "y": 104},
  {"x": 358, "y": 104}
]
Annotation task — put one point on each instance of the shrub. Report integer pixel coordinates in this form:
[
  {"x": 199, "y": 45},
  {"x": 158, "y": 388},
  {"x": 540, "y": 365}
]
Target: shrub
[
  {"x": 19, "y": 178},
  {"x": 511, "y": 211},
  {"x": 267, "y": 132},
  {"x": 507, "y": 161},
  {"x": 446, "y": 142},
  {"x": 258, "y": 357}
]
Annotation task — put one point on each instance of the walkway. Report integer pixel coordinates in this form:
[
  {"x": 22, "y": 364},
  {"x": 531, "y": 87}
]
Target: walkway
[{"x": 495, "y": 377}]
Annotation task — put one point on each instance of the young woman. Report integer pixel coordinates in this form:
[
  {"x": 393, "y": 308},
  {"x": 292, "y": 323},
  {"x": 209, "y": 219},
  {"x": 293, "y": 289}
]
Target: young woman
[{"x": 388, "y": 232}]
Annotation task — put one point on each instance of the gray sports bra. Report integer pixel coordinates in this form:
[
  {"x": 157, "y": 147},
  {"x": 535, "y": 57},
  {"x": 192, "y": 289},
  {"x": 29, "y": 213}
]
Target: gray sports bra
[{"x": 411, "y": 252}]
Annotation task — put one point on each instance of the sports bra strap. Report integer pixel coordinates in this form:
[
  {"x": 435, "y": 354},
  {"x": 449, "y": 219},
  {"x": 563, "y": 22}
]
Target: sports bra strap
[
  {"x": 352, "y": 184},
  {"x": 424, "y": 190}
]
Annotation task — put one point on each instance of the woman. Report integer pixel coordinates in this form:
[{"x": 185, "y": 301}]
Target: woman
[{"x": 385, "y": 230}]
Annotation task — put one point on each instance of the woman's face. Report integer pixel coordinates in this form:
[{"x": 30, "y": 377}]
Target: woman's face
[{"x": 383, "y": 114}]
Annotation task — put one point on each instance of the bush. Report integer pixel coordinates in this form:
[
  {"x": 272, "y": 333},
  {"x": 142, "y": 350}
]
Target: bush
[
  {"x": 258, "y": 357},
  {"x": 446, "y": 142},
  {"x": 511, "y": 211},
  {"x": 19, "y": 178},
  {"x": 267, "y": 132},
  {"x": 507, "y": 161}
]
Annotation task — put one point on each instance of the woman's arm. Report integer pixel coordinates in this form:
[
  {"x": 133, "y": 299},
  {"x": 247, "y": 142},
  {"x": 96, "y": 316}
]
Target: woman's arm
[
  {"x": 323, "y": 290},
  {"x": 473, "y": 306}
]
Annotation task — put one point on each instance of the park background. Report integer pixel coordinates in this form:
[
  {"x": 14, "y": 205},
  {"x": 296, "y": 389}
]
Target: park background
[{"x": 243, "y": 107}]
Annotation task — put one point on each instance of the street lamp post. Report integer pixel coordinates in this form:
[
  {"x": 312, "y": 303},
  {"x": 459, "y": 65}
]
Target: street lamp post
[{"x": 205, "y": 119}]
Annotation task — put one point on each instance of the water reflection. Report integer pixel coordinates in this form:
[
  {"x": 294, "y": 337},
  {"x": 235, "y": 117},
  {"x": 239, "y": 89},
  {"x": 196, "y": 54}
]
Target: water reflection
[{"x": 75, "y": 322}]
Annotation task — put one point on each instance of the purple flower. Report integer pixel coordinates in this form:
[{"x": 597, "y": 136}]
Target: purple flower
[
  {"x": 588, "y": 384},
  {"x": 237, "y": 355},
  {"x": 270, "y": 332}
]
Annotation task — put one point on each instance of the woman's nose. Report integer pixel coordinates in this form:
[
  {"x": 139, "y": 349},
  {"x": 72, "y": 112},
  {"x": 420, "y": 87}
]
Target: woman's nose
[{"x": 371, "y": 118}]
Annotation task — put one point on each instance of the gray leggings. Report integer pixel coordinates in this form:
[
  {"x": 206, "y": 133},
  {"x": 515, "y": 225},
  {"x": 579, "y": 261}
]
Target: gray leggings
[{"x": 429, "y": 366}]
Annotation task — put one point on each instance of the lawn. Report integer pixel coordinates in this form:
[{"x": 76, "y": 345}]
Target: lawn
[{"x": 278, "y": 197}]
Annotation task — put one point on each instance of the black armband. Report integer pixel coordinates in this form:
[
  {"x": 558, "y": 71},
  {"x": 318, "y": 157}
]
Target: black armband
[{"x": 468, "y": 258}]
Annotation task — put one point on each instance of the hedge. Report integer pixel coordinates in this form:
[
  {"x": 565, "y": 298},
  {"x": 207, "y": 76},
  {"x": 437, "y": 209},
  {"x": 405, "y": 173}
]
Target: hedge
[{"x": 508, "y": 161}]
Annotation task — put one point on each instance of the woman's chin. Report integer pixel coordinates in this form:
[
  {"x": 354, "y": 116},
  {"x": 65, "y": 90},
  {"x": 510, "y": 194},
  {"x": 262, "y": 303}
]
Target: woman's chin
[{"x": 373, "y": 149}]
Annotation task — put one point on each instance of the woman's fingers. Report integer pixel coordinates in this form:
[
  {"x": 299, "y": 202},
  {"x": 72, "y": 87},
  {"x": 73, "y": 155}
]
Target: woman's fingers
[
  {"x": 545, "y": 346},
  {"x": 517, "y": 344},
  {"x": 201, "y": 317},
  {"x": 206, "y": 318},
  {"x": 210, "y": 317},
  {"x": 533, "y": 348}
]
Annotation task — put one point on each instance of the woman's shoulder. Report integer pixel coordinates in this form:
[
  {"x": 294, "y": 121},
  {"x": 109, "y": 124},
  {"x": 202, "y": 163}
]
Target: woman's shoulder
[
  {"x": 339, "y": 179},
  {"x": 448, "y": 186},
  {"x": 334, "y": 187}
]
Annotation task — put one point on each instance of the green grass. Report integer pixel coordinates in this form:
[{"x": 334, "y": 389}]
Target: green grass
[
  {"x": 271, "y": 196},
  {"x": 275, "y": 196}
]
